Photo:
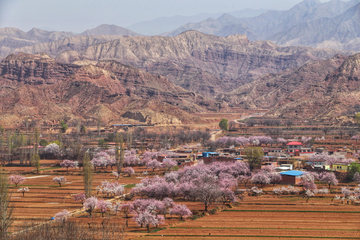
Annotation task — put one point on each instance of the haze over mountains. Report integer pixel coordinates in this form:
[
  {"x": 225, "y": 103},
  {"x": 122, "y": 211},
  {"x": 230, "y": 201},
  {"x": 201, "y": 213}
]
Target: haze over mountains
[
  {"x": 309, "y": 23},
  {"x": 161, "y": 25}
]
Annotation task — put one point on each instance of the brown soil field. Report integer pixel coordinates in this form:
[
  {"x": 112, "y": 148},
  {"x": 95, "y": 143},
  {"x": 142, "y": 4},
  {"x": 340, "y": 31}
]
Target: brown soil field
[
  {"x": 268, "y": 217},
  {"x": 261, "y": 217},
  {"x": 45, "y": 198}
]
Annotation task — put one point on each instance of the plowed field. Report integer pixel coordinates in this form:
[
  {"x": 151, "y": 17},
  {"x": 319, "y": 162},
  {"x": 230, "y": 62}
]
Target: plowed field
[{"x": 269, "y": 217}]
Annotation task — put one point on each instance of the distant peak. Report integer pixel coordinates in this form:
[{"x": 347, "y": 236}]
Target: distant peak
[
  {"x": 311, "y": 3},
  {"x": 227, "y": 18},
  {"x": 192, "y": 33}
]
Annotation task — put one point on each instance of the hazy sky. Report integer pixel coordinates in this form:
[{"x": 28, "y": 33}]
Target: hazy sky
[{"x": 79, "y": 15}]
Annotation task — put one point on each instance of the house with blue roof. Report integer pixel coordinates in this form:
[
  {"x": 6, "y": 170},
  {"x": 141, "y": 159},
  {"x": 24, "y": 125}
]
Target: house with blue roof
[{"x": 292, "y": 177}]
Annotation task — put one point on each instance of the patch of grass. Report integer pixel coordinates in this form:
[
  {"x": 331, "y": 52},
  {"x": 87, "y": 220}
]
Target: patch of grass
[
  {"x": 213, "y": 211},
  {"x": 44, "y": 169},
  {"x": 157, "y": 229},
  {"x": 130, "y": 185}
]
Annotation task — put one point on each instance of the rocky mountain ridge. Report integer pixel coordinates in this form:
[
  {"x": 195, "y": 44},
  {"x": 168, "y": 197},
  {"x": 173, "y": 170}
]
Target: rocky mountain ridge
[
  {"x": 324, "y": 89},
  {"x": 13, "y": 38},
  {"x": 204, "y": 63},
  {"x": 198, "y": 62},
  {"x": 38, "y": 86}
]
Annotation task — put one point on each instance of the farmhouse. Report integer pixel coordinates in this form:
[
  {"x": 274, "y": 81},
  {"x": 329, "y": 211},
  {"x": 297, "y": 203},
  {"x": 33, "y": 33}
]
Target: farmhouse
[
  {"x": 210, "y": 157},
  {"x": 297, "y": 149},
  {"x": 317, "y": 165},
  {"x": 270, "y": 151},
  {"x": 340, "y": 167},
  {"x": 292, "y": 177}
]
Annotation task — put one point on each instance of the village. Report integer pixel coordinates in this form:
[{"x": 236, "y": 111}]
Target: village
[{"x": 126, "y": 181}]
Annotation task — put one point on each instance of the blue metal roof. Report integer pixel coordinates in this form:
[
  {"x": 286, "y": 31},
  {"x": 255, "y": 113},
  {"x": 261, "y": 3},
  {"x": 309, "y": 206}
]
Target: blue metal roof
[
  {"x": 292, "y": 173},
  {"x": 238, "y": 158}
]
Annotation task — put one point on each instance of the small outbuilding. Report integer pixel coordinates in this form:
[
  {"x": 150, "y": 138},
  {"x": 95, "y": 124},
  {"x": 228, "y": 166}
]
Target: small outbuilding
[{"x": 292, "y": 177}]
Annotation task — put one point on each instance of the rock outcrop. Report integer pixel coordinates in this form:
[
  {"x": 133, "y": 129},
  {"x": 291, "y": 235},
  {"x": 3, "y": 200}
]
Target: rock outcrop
[{"x": 150, "y": 117}]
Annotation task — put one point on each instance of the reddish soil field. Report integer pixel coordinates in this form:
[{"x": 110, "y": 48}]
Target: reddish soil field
[
  {"x": 45, "y": 198},
  {"x": 270, "y": 216}
]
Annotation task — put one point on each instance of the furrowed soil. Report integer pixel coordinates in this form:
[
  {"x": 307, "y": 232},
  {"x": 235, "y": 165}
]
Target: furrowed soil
[
  {"x": 268, "y": 217},
  {"x": 257, "y": 217},
  {"x": 45, "y": 198}
]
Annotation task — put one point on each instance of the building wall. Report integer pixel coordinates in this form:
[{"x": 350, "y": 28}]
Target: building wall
[
  {"x": 340, "y": 168},
  {"x": 209, "y": 160},
  {"x": 294, "y": 180}
]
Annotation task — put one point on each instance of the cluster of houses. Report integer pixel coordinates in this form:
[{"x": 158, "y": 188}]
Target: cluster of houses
[{"x": 290, "y": 161}]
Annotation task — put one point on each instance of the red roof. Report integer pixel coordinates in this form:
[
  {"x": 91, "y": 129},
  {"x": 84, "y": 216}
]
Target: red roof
[{"x": 294, "y": 143}]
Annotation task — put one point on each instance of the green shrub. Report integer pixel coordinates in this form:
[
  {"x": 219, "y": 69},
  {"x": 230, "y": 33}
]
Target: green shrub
[{"x": 43, "y": 143}]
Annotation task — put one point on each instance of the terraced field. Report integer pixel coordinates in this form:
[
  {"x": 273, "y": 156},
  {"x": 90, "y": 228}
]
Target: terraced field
[
  {"x": 45, "y": 198},
  {"x": 269, "y": 217}
]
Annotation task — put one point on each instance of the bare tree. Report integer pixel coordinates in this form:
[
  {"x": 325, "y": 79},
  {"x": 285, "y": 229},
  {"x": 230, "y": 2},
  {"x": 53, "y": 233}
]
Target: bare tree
[
  {"x": 27, "y": 124},
  {"x": 37, "y": 140},
  {"x": 35, "y": 162},
  {"x": 9, "y": 147},
  {"x": 326, "y": 130},
  {"x": 352, "y": 132},
  {"x": 87, "y": 175},
  {"x": 60, "y": 138},
  {"x": 129, "y": 140},
  {"x": 289, "y": 123},
  {"x": 119, "y": 152},
  {"x": 99, "y": 125},
  {"x": 341, "y": 132},
  {"x": 106, "y": 230},
  {"x": 5, "y": 209}
]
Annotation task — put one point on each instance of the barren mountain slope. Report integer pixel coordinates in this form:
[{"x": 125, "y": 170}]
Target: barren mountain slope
[
  {"x": 287, "y": 86},
  {"x": 13, "y": 38},
  {"x": 78, "y": 43},
  {"x": 204, "y": 63},
  {"x": 37, "y": 85},
  {"x": 329, "y": 98}
]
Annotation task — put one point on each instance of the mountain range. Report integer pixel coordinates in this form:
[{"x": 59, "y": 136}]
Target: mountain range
[
  {"x": 117, "y": 73},
  {"x": 13, "y": 38},
  {"x": 324, "y": 89},
  {"x": 331, "y": 24},
  {"x": 37, "y": 86},
  {"x": 201, "y": 63}
]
